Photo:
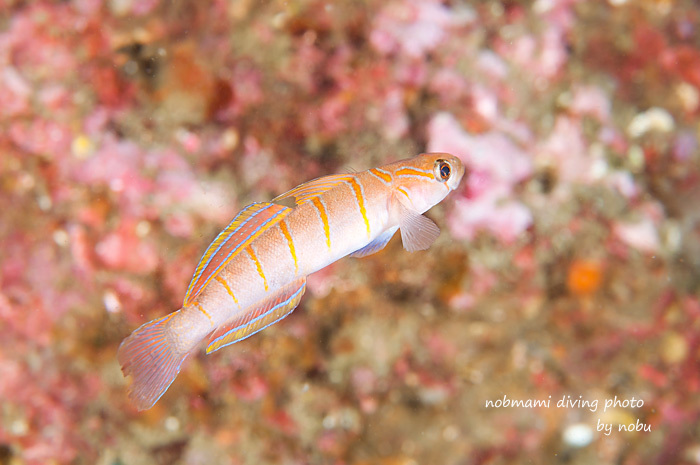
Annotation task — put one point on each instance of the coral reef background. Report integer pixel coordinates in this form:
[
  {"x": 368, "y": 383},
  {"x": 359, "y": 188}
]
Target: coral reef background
[{"x": 132, "y": 131}]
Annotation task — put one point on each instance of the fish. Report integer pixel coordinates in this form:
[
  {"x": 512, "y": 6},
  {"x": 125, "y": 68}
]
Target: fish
[{"x": 254, "y": 272}]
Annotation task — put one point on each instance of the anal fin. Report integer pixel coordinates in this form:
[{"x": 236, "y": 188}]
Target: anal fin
[{"x": 259, "y": 316}]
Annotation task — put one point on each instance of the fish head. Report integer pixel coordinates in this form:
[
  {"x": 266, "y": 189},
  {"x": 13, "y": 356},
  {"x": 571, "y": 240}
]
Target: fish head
[{"x": 425, "y": 180}]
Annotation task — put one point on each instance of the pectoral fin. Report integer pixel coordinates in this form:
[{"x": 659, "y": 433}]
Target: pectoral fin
[
  {"x": 417, "y": 231},
  {"x": 259, "y": 317}
]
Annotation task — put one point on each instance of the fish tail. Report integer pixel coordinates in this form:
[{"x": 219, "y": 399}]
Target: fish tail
[{"x": 149, "y": 356}]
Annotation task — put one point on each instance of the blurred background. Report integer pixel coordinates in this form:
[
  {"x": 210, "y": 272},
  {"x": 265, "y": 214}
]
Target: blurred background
[{"x": 132, "y": 131}]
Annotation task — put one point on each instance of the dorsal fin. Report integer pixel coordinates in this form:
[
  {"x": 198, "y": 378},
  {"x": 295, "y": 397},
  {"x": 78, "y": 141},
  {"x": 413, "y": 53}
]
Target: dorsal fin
[
  {"x": 260, "y": 316},
  {"x": 250, "y": 223},
  {"x": 313, "y": 188}
]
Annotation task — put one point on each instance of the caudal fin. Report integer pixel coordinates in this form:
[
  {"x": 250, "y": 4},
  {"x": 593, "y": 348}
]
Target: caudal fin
[{"x": 153, "y": 362}]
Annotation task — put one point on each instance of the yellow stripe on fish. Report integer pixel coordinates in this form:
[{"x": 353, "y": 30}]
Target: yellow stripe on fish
[
  {"x": 414, "y": 172},
  {"x": 201, "y": 309},
  {"x": 223, "y": 282},
  {"x": 290, "y": 242},
  {"x": 381, "y": 174},
  {"x": 258, "y": 265},
  {"x": 323, "y": 215},
  {"x": 333, "y": 217},
  {"x": 360, "y": 197}
]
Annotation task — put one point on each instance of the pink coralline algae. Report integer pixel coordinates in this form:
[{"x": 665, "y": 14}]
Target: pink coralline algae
[
  {"x": 44, "y": 137},
  {"x": 414, "y": 28},
  {"x": 541, "y": 57},
  {"x": 566, "y": 148},
  {"x": 497, "y": 165},
  {"x": 642, "y": 233},
  {"x": 14, "y": 92},
  {"x": 394, "y": 115},
  {"x": 124, "y": 250},
  {"x": 131, "y": 132},
  {"x": 591, "y": 101}
]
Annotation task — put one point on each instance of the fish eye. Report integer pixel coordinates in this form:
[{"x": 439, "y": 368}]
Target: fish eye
[{"x": 443, "y": 170}]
